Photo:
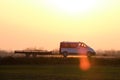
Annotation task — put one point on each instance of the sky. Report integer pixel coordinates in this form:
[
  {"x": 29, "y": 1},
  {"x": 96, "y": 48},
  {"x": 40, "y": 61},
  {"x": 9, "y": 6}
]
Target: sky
[{"x": 45, "y": 23}]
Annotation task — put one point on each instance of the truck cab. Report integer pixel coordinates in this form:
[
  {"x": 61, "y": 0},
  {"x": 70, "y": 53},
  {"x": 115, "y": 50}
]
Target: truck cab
[{"x": 75, "y": 48}]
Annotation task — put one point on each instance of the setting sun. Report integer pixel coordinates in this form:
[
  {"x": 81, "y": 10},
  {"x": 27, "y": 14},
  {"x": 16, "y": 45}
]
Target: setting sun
[
  {"x": 45, "y": 23},
  {"x": 72, "y": 6}
]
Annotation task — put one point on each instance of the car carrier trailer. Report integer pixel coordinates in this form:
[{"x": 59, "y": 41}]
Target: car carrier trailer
[{"x": 34, "y": 53}]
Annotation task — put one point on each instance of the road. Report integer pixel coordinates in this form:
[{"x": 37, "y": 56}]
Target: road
[{"x": 70, "y": 56}]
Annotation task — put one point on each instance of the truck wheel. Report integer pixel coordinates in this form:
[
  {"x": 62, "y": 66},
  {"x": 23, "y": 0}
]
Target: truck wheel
[
  {"x": 89, "y": 54},
  {"x": 65, "y": 54}
]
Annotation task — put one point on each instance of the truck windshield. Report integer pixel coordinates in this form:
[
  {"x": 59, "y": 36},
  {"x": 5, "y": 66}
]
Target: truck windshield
[{"x": 82, "y": 45}]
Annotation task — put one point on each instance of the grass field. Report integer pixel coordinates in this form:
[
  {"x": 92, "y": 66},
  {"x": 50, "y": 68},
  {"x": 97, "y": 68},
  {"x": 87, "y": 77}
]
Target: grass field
[
  {"x": 58, "y": 69},
  {"x": 58, "y": 72}
]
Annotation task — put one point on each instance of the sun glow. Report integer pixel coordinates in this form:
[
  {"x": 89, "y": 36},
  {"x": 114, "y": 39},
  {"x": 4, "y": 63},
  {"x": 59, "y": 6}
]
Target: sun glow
[
  {"x": 84, "y": 63},
  {"x": 72, "y": 6}
]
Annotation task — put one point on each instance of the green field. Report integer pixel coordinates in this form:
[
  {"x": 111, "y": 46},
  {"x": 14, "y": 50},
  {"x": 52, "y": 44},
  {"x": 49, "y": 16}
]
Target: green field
[
  {"x": 58, "y": 69},
  {"x": 58, "y": 72}
]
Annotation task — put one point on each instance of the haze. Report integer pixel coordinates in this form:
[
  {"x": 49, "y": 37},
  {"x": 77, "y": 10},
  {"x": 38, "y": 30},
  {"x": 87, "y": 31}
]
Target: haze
[{"x": 45, "y": 23}]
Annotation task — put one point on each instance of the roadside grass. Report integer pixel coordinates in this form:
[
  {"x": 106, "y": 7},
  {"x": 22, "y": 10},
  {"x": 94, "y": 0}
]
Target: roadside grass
[
  {"x": 58, "y": 61},
  {"x": 49, "y": 68},
  {"x": 58, "y": 72}
]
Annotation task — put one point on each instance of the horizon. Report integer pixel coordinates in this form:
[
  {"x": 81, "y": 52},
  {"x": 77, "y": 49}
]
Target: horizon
[{"x": 46, "y": 23}]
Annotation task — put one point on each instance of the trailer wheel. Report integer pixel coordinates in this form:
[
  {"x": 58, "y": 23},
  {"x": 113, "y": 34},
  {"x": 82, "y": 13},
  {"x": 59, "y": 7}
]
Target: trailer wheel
[
  {"x": 65, "y": 54},
  {"x": 34, "y": 55},
  {"x": 27, "y": 55}
]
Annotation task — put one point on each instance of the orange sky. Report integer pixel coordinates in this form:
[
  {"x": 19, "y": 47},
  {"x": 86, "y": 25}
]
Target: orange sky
[{"x": 45, "y": 23}]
